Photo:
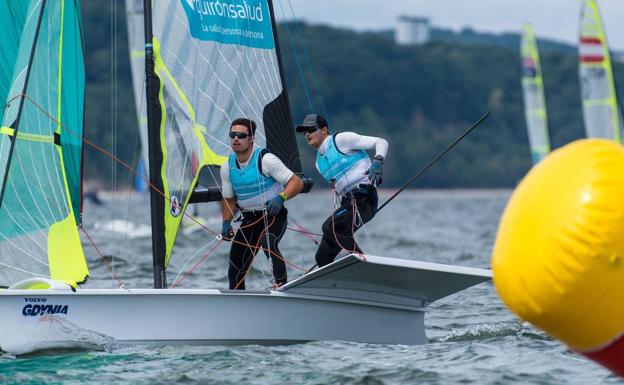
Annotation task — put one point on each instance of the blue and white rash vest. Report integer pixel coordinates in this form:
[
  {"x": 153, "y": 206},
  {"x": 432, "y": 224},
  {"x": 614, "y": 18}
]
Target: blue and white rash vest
[
  {"x": 251, "y": 187},
  {"x": 347, "y": 170}
]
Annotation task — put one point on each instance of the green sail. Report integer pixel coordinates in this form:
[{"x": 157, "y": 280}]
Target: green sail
[
  {"x": 534, "y": 102},
  {"x": 41, "y": 147}
]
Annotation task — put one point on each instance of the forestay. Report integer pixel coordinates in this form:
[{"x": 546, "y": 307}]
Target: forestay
[
  {"x": 534, "y": 102},
  {"x": 600, "y": 108},
  {"x": 215, "y": 61},
  {"x": 41, "y": 141}
]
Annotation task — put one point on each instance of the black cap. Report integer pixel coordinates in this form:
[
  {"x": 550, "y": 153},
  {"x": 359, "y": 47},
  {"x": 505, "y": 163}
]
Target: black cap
[{"x": 312, "y": 120}]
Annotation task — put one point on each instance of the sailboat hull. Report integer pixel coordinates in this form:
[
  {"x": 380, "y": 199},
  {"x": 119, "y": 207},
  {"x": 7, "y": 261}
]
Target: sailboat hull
[
  {"x": 39, "y": 319},
  {"x": 358, "y": 298}
]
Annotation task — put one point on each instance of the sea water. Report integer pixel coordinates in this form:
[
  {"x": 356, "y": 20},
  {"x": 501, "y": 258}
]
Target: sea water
[{"x": 473, "y": 338}]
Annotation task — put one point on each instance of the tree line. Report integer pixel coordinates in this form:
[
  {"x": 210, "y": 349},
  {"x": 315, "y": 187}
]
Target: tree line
[{"x": 418, "y": 98}]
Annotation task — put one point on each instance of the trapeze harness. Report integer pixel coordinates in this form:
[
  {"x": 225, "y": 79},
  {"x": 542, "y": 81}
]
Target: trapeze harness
[
  {"x": 358, "y": 199},
  {"x": 253, "y": 190}
]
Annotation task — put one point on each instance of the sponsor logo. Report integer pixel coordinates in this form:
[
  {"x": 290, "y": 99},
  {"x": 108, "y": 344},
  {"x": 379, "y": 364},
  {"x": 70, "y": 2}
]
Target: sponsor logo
[
  {"x": 31, "y": 310},
  {"x": 35, "y": 299},
  {"x": 229, "y": 9},
  {"x": 239, "y": 22},
  {"x": 176, "y": 206}
]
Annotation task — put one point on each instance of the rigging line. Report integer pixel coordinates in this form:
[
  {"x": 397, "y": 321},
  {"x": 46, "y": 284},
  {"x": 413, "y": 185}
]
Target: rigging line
[
  {"x": 294, "y": 49},
  {"x": 254, "y": 252},
  {"x": 191, "y": 258},
  {"x": 303, "y": 231},
  {"x": 137, "y": 146},
  {"x": 114, "y": 107},
  {"x": 265, "y": 216},
  {"x": 435, "y": 159},
  {"x": 177, "y": 281},
  {"x": 309, "y": 62},
  {"x": 334, "y": 231},
  {"x": 368, "y": 238},
  {"x": 128, "y": 167},
  {"x": 246, "y": 243},
  {"x": 114, "y": 277},
  {"x": 276, "y": 59}
]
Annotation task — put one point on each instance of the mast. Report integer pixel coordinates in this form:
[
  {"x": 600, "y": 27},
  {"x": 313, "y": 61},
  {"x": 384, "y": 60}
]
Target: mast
[{"x": 157, "y": 202}]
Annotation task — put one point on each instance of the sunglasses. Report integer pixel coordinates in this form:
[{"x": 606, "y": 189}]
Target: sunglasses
[
  {"x": 310, "y": 130},
  {"x": 239, "y": 135}
]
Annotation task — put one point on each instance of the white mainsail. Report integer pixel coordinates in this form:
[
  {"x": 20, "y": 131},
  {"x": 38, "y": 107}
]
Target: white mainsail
[
  {"x": 600, "y": 107},
  {"x": 215, "y": 62},
  {"x": 534, "y": 101}
]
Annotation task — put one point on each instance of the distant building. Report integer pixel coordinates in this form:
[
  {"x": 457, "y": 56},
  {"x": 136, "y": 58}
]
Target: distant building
[
  {"x": 413, "y": 30},
  {"x": 617, "y": 57}
]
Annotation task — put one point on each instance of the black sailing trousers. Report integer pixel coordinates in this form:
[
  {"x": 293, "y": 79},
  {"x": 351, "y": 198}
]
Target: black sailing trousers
[
  {"x": 356, "y": 208},
  {"x": 250, "y": 238}
]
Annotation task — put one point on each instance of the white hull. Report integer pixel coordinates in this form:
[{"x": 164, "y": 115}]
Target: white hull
[{"x": 304, "y": 310}]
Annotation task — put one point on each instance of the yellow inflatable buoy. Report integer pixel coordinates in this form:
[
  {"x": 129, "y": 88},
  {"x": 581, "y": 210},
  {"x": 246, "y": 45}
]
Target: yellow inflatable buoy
[{"x": 558, "y": 257}]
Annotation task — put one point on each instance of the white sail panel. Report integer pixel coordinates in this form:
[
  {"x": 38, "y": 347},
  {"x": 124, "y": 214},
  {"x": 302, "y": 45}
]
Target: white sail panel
[
  {"x": 216, "y": 61},
  {"x": 534, "y": 102},
  {"x": 600, "y": 108}
]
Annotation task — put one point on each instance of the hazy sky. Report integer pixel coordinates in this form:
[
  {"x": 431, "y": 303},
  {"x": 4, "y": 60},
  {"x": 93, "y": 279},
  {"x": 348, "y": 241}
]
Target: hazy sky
[{"x": 556, "y": 19}]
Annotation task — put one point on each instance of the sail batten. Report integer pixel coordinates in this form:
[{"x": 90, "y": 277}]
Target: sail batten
[
  {"x": 534, "y": 101},
  {"x": 600, "y": 107}
]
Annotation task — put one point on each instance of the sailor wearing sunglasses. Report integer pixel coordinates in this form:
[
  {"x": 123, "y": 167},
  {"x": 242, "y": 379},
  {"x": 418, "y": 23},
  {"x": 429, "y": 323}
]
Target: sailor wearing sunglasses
[
  {"x": 257, "y": 183},
  {"x": 342, "y": 160}
]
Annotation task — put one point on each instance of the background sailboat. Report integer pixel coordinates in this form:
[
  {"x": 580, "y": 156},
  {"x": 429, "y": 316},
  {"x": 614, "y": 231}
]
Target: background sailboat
[
  {"x": 534, "y": 101},
  {"x": 600, "y": 107}
]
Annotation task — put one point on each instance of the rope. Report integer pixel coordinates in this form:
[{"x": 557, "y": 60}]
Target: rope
[
  {"x": 309, "y": 62},
  {"x": 183, "y": 277},
  {"x": 110, "y": 268}
]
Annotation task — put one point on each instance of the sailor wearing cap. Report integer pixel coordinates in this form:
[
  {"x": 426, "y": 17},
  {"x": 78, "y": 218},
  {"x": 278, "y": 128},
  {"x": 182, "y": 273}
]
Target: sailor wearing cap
[{"x": 342, "y": 160}]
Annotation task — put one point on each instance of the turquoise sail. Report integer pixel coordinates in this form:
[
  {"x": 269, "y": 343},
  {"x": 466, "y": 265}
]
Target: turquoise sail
[
  {"x": 12, "y": 18},
  {"x": 41, "y": 146}
]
